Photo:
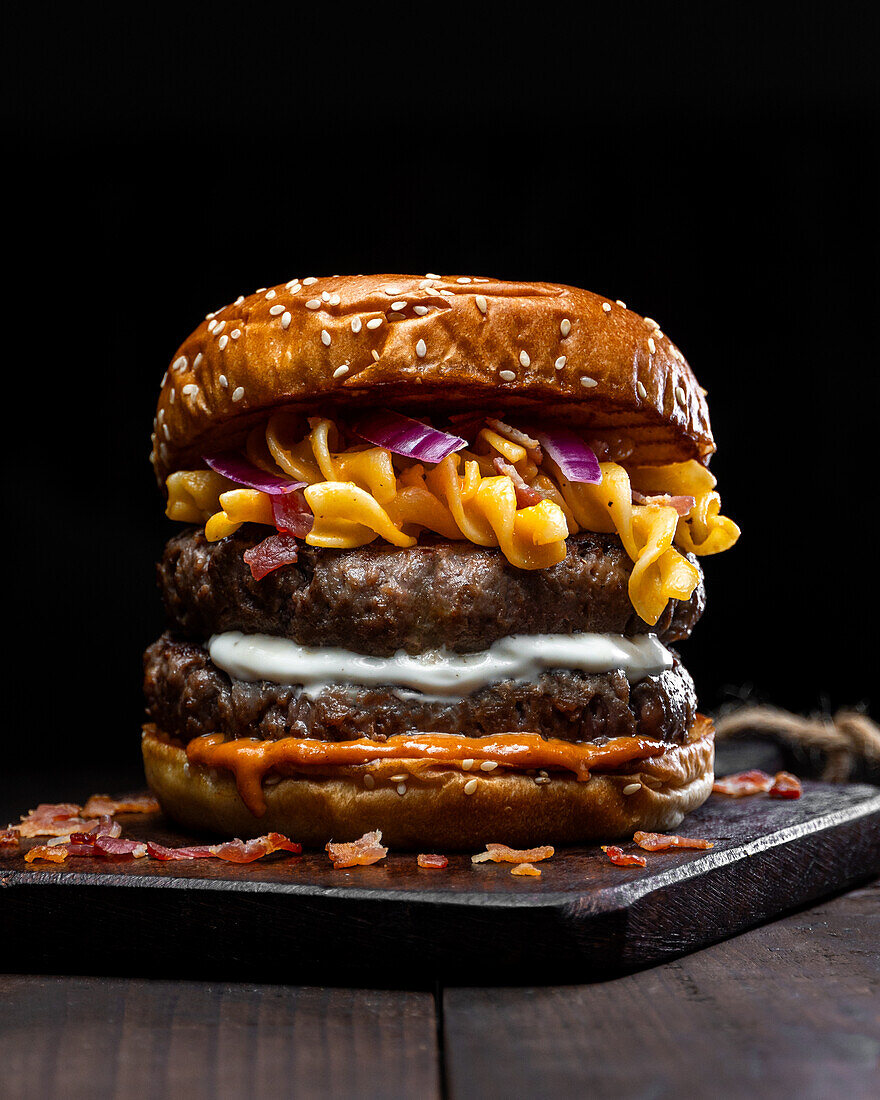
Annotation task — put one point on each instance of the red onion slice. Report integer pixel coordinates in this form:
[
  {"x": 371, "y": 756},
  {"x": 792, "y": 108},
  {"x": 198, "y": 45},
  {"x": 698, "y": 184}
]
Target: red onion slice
[
  {"x": 237, "y": 468},
  {"x": 404, "y": 436},
  {"x": 573, "y": 457}
]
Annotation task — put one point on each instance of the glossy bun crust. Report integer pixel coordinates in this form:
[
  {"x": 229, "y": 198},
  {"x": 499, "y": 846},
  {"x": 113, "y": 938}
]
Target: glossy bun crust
[
  {"x": 435, "y": 813},
  {"x": 431, "y": 343}
]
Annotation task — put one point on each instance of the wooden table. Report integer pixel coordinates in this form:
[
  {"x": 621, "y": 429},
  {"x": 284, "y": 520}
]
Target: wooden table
[{"x": 788, "y": 1009}]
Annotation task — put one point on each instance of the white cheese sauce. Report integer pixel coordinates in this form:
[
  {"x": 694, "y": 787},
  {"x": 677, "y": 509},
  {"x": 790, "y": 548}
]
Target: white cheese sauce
[{"x": 439, "y": 673}]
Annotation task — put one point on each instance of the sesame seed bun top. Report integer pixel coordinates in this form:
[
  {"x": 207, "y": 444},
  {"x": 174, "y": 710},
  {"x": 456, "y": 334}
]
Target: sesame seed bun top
[{"x": 428, "y": 343}]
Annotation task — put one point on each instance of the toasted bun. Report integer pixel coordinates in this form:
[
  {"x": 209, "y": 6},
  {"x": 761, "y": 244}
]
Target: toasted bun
[
  {"x": 435, "y": 812},
  {"x": 372, "y": 340}
]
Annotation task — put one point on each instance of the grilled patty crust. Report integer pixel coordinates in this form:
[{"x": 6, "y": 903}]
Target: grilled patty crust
[
  {"x": 378, "y": 599},
  {"x": 188, "y": 695}
]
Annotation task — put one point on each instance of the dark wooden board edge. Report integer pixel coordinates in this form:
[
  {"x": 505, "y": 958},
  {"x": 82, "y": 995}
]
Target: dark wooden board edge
[{"x": 301, "y": 932}]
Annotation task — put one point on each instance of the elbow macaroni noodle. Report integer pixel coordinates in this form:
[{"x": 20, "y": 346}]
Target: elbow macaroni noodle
[{"x": 365, "y": 493}]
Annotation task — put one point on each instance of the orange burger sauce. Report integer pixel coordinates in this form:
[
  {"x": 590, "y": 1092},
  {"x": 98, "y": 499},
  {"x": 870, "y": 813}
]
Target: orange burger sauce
[{"x": 250, "y": 760}]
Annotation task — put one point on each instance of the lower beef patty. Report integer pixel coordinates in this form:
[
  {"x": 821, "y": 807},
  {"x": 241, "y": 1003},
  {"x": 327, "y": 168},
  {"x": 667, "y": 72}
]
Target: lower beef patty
[
  {"x": 378, "y": 599},
  {"x": 187, "y": 695}
]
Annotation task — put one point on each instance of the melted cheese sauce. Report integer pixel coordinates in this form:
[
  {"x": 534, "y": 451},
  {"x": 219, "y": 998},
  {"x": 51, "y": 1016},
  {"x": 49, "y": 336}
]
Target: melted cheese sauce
[{"x": 436, "y": 674}]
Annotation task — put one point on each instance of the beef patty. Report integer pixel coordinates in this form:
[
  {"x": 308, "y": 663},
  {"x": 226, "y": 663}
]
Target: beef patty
[
  {"x": 188, "y": 695},
  {"x": 378, "y": 599}
]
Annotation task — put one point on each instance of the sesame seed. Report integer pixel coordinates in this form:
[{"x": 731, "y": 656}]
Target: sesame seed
[
  {"x": 588, "y": 383},
  {"x": 325, "y": 338},
  {"x": 430, "y": 275},
  {"x": 238, "y": 300},
  {"x": 507, "y": 375},
  {"x": 652, "y": 347},
  {"x": 392, "y": 291},
  {"x": 238, "y": 394},
  {"x": 219, "y": 328},
  {"x": 401, "y": 778},
  {"x": 295, "y": 289},
  {"x": 470, "y": 786},
  {"x": 401, "y": 788},
  {"x": 236, "y": 332},
  {"x": 540, "y": 780},
  {"x": 369, "y": 782},
  {"x": 565, "y": 326},
  {"x": 481, "y": 303},
  {"x": 425, "y": 283},
  {"x": 631, "y": 788},
  {"x": 420, "y": 311},
  {"x": 313, "y": 303},
  {"x": 621, "y": 304},
  {"x": 308, "y": 282},
  {"x": 292, "y": 283},
  {"x": 446, "y": 293},
  {"x": 421, "y": 349},
  {"x": 259, "y": 290},
  {"x": 166, "y": 432},
  {"x": 180, "y": 364},
  {"x": 325, "y": 295},
  {"x": 374, "y": 323},
  {"x": 224, "y": 382},
  {"x": 338, "y": 373},
  {"x": 275, "y": 310},
  {"x": 606, "y": 306},
  {"x": 211, "y": 326},
  {"x": 640, "y": 390},
  {"x": 560, "y": 362},
  {"x": 197, "y": 361},
  {"x": 467, "y": 764},
  {"x": 659, "y": 334},
  {"x": 208, "y": 316},
  {"x": 375, "y": 355},
  {"x": 356, "y": 324},
  {"x": 190, "y": 390},
  {"x": 650, "y": 321},
  {"x": 270, "y": 294},
  {"x": 488, "y": 766},
  {"x": 334, "y": 300},
  {"x": 222, "y": 342},
  {"x": 398, "y": 305},
  {"x": 524, "y": 358},
  {"x": 679, "y": 393},
  {"x": 464, "y": 279},
  {"x": 285, "y": 320}
]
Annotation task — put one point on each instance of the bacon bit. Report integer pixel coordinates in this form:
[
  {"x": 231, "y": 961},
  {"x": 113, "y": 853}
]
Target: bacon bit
[
  {"x": 9, "y": 841},
  {"x": 102, "y": 805},
  {"x": 436, "y": 862},
  {"x": 681, "y": 504},
  {"x": 240, "y": 851},
  {"x": 271, "y": 554},
  {"x": 159, "y": 851},
  {"x": 357, "y": 853},
  {"x": 517, "y": 437},
  {"x": 53, "y": 819},
  {"x": 524, "y": 869},
  {"x": 659, "y": 842},
  {"x": 620, "y": 858},
  {"x": 56, "y": 853},
  {"x": 105, "y": 826},
  {"x": 292, "y": 514},
  {"x": 786, "y": 785},
  {"x": 112, "y": 846},
  {"x": 526, "y": 496},
  {"x": 743, "y": 783},
  {"x": 500, "y": 853}
]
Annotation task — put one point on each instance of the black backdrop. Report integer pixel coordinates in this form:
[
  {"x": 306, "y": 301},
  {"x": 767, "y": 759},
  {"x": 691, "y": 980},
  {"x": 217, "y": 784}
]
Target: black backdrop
[{"x": 714, "y": 166}]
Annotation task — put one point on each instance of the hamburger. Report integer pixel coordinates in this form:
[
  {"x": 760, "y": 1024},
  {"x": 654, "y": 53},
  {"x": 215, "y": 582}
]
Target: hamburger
[{"x": 442, "y": 536}]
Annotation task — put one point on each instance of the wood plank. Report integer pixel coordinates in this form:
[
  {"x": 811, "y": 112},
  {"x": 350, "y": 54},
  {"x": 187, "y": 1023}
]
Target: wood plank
[
  {"x": 395, "y": 923},
  {"x": 93, "y": 1038},
  {"x": 790, "y": 1009}
]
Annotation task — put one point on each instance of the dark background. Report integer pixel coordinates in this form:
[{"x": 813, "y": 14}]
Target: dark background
[{"x": 714, "y": 166}]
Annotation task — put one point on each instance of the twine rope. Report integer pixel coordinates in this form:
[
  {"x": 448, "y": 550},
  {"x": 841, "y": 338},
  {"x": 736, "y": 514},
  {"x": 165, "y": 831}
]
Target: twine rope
[{"x": 845, "y": 738}]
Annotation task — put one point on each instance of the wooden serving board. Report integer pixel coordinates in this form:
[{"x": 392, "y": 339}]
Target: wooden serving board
[{"x": 297, "y": 919}]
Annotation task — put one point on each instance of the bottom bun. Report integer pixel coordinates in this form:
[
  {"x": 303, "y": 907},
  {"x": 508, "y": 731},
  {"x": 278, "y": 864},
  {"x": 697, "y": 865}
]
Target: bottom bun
[{"x": 432, "y": 809}]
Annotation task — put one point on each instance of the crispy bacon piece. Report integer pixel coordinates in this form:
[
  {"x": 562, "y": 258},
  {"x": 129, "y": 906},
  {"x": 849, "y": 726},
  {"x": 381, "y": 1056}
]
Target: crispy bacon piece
[
  {"x": 159, "y": 851},
  {"x": 292, "y": 514},
  {"x": 526, "y": 496},
  {"x": 53, "y": 819},
  {"x": 433, "y": 861},
  {"x": 271, "y": 554},
  {"x": 357, "y": 853},
  {"x": 786, "y": 785},
  {"x": 743, "y": 783},
  {"x": 54, "y": 853},
  {"x": 525, "y": 869},
  {"x": 500, "y": 853},
  {"x": 241, "y": 851},
  {"x": 9, "y": 841},
  {"x": 659, "y": 842},
  {"x": 102, "y": 805},
  {"x": 681, "y": 504},
  {"x": 621, "y": 859},
  {"x": 116, "y": 846}
]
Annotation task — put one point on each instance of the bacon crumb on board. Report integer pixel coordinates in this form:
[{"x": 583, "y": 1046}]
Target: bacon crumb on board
[
  {"x": 743, "y": 783},
  {"x": 436, "y": 862},
  {"x": 525, "y": 869},
  {"x": 621, "y": 859},
  {"x": 357, "y": 853},
  {"x": 102, "y": 805},
  {"x": 785, "y": 785},
  {"x": 659, "y": 842},
  {"x": 9, "y": 841},
  {"x": 54, "y": 853},
  {"x": 500, "y": 853},
  {"x": 53, "y": 819}
]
